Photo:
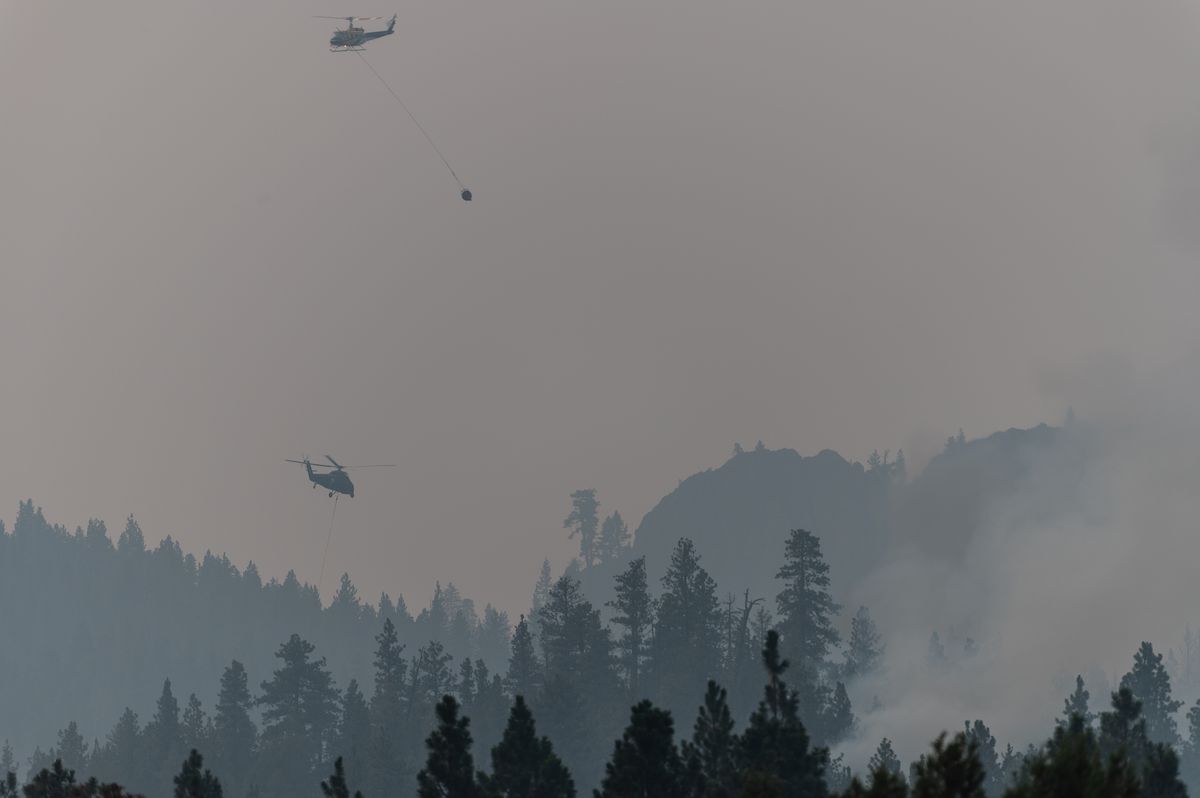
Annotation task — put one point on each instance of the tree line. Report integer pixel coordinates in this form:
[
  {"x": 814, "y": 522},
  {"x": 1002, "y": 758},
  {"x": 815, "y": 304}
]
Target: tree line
[
  {"x": 573, "y": 668},
  {"x": 1113, "y": 755}
]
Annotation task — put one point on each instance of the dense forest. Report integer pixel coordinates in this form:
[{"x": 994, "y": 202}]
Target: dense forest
[{"x": 624, "y": 676}]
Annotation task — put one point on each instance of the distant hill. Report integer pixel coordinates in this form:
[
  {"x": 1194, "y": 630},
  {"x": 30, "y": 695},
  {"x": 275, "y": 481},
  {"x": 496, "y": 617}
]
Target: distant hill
[
  {"x": 94, "y": 624},
  {"x": 739, "y": 516},
  {"x": 971, "y": 482}
]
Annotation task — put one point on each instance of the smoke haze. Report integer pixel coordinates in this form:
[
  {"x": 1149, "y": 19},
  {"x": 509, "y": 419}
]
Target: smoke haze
[{"x": 821, "y": 224}]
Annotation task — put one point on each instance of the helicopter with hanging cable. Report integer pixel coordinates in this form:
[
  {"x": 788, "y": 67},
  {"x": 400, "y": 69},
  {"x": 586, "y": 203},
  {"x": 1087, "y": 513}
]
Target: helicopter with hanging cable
[
  {"x": 352, "y": 38},
  {"x": 336, "y": 480}
]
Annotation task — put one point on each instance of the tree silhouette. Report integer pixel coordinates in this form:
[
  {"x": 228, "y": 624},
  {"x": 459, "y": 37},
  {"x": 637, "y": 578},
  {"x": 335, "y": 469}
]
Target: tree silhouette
[
  {"x": 336, "y": 786},
  {"x": 775, "y": 747},
  {"x": 235, "y": 736},
  {"x": 950, "y": 770},
  {"x": 805, "y": 606},
  {"x": 194, "y": 781},
  {"x": 525, "y": 765},
  {"x": 633, "y": 612},
  {"x": 449, "y": 770},
  {"x": 583, "y": 521},
  {"x": 712, "y": 751},
  {"x": 645, "y": 761}
]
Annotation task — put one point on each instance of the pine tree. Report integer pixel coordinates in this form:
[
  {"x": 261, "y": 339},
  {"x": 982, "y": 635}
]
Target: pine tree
[
  {"x": 466, "y": 686},
  {"x": 712, "y": 751},
  {"x": 8, "y": 784},
  {"x": 583, "y": 522},
  {"x": 299, "y": 715},
  {"x": 194, "y": 782},
  {"x": 163, "y": 741},
  {"x": 1071, "y": 764},
  {"x": 1123, "y": 734},
  {"x": 541, "y": 592},
  {"x": 490, "y": 709},
  {"x": 194, "y": 728},
  {"x": 354, "y": 730},
  {"x": 1160, "y": 773},
  {"x": 687, "y": 635},
  {"x": 524, "y": 671},
  {"x": 775, "y": 747},
  {"x": 634, "y": 610},
  {"x": 71, "y": 748},
  {"x": 866, "y": 645},
  {"x": 55, "y": 781},
  {"x": 1077, "y": 704},
  {"x": 336, "y": 787},
  {"x": 132, "y": 540},
  {"x": 525, "y": 765},
  {"x": 494, "y": 636},
  {"x": 122, "y": 756},
  {"x": 1150, "y": 685},
  {"x": 883, "y": 784},
  {"x": 837, "y": 716},
  {"x": 950, "y": 770},
  {"x": 574, "y": 643},
  {"x": 388, "y": 770},
  {"x": 805, "y": 606},
  {"x": 1189, "y": 753},
  {"x": 431, "y": 673},
  {"x": 885, "y": 758},
  {"x": 1123, "y": 729},
  {"x": 449, "y": 770},
  {"x": 614, "y": 538},
  {"x": 8, "y": 762},
  {"x": 645, "y": 761},
  {"x": 980, "y": 736},
  {"x": 575, "y": 707},
  {"x": 235, "y": 736}
]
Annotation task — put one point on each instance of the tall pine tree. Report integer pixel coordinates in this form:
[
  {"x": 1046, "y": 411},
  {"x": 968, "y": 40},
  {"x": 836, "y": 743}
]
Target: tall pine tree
[
  {"x": 524, "y": 671},
  {"x": 583, "y": 521},
  {"x": 712, "y": 752},
  {"x": 299, "y": 716},
  {"x": 776, "y": 753},
  {"x": 449, "y": 770},
  {"x": 806, "y": 608},
  {"x": 634, "y": 613},
  {"x": 645, "y": 761},
  {"x": 235, "y": 737},
  {"x": 687, "y": 635},
  {"x": 1150, "y": 685},
  {"x": 525, "y": 765}
]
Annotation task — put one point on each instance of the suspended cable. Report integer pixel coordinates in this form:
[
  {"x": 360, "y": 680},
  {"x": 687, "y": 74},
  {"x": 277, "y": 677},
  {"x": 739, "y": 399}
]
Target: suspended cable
[
  {"x": 466, "y": 193},
  {"x": 328, "y": 538}
]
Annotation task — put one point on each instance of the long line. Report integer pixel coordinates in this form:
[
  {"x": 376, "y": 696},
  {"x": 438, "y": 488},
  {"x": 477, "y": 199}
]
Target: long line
[
  {"x": 411, "y": 116},
  {"x": 328, "y": 538}
]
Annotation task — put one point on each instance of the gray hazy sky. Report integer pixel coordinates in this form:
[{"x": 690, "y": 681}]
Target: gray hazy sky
[{"x": 822, "y": 224}]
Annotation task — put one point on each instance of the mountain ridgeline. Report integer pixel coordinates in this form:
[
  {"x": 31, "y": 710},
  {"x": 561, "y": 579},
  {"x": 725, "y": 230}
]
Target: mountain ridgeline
[
  {"x": 645, "y": 620},
  {"x": 739, "y": 514}
]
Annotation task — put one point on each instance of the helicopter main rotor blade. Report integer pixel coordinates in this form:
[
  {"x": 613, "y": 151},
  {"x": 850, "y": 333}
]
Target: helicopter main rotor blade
[
  {"x": 336, "y": 464},
  {"x": 308, "y": 463},
  {"x": 379, "y": 465}
]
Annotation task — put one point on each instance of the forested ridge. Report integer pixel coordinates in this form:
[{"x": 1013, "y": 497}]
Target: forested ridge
[{"x": 620, "y": 676}]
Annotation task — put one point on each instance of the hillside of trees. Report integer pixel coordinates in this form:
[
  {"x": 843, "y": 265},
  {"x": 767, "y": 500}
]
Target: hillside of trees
[
  {"x": 142, "y": 653},
  {"x": 1120, "y": 753},
  {"x": 554, "y": 722}
]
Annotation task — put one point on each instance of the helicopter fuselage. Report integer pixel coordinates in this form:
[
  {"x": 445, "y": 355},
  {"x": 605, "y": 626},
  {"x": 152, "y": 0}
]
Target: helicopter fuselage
[
  {"x": 356, "y": 37},
  {"x": 336, "y": 481}
]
